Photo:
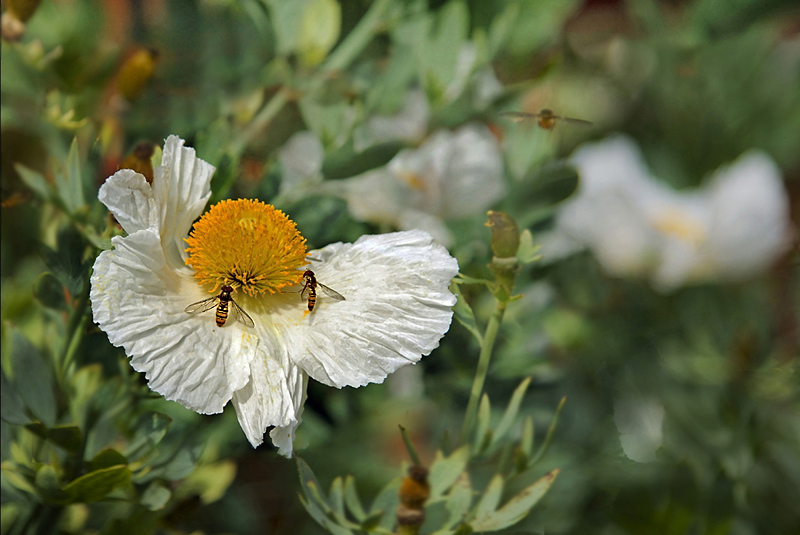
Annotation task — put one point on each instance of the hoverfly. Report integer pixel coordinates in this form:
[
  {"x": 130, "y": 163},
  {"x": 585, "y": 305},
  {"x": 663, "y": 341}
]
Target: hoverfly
[
  {"x": 310, "y": 285},
  {"x": 546, "y": 118},
  {"x": 221, "y": 301}
]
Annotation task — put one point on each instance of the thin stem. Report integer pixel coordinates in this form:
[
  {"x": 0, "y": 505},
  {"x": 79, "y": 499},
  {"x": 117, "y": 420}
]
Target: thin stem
[
  {"x": 339, "y": 59},
  {"x": 260, "y": 121},
  {"x": 483, "y": 367}
]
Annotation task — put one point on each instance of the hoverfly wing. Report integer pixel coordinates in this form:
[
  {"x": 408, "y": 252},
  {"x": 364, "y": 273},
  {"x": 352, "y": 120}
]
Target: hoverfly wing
[
  {"x": 202, "y": 306},
  {"x": 576, "y": 122},
  {"x": 518, "y": 116},
  {"x": 330, "y": 292},
  {"x": 241, "y": 315}
]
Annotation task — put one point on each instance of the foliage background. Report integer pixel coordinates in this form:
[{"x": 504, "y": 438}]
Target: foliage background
[{"x": 696, "y": 83}]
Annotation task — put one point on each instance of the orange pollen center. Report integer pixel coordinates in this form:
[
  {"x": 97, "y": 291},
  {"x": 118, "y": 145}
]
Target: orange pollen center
[{"x": 248, "y": 245}]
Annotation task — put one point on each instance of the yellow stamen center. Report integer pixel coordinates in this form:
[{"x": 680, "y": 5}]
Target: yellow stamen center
[
  {"x": 680, "y": 225},
  {"x": 246, "y": 244}
]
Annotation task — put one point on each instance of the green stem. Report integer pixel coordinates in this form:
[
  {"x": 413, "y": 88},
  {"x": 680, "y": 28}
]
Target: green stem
[
  {"x": 339, "y": 59},
  {"x": 483, "y": 367},
  {"x": 260, "y": 121},
  {"x": 358, "y": 38}
]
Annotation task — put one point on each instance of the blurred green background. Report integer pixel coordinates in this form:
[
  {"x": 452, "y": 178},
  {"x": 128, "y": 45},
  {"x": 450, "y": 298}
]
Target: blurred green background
[{"x": 694, "y": 83}]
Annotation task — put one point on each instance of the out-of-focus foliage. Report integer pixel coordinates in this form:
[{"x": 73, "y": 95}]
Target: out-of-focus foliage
[{"x": 683, "y": 411}]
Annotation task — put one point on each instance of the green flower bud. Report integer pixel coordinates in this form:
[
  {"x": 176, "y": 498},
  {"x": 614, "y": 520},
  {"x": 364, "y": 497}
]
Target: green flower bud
[{"x": 505, "y": 234}]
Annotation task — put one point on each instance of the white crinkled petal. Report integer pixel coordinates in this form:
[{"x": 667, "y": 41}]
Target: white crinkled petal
[
  {"x": 130, "y": 198},
  {"x": 273, "y": 396},
  {"x": 283, "y": 435},
  {"x": 181, "y": 188},
  {"x": 138, "y": 300},
  {"x": 397, "y": 308},
  {"x": 414, "y": 219}
]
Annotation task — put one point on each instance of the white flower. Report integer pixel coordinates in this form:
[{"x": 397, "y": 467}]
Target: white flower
[
  {"x": 730, "y": 229},
  {"x": 409, "y": 124},
  {"x": 451, "y": 176},
  {"x": 639, "y": 421},
  {"x": 397, "y": 304}
]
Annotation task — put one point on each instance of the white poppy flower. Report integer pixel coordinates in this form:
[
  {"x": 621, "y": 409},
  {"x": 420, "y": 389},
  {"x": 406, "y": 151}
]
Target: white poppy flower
[
  {"x": 409, "y": 124},
  {"x": 454, "y": 174},
  {"x": 732, "y": 228},
  {"x": 397, "y": 303}
]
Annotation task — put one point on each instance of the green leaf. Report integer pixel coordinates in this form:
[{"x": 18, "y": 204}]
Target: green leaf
[
  {"x": 550, "y": 432},
  {"x": 528, "y": 251},
  {"x": 527, "y": 439},
  {"x": 352, "y": 500},
  {"x": 66, "y": 262},
  {"x": 517, "y": 507},
  {"x": 106, "y": 459},
  {"x": 459, "y": 500},
  {"x": 445, "y": 471},
  {"x": 320, "y": 26},
  {"x": 386, "y": 502},
  {"x": 464, "y": 314},
  {"x": 68, "y": 437},
  {"x": 489, "y": 501},
  {"x": 155, "y": 496},
  {"x": 372, "y": 521},
  {"x": 307, "y": 477},
  {"x": 150, "y": 431},
  {"x": 551, "y": 185},
  {"x": 466, "y": 279},
  {"x": 35, "y": 181},
  {"x": 182, "y": 464},
  {"x": 33, "y": 378},
  {"x": 49, "y": 291},
  {"x": 336, "y": 497},
  {"x": 12, "y": 408},
  {"x": 500, "y": 28},
  {"x": 482, "y": 424},
  {"x": 74, "y": 200},
  {"x": 48, "y": 488},
  {"x": 511, "y": 411},
  {"x": 96, "y": 485}
]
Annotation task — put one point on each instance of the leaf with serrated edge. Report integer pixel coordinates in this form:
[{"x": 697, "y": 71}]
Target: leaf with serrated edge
[
  {"x": 484, "y": 418},
  {"x": 445, "y": 471},
  {"x": 490, "y": 499},
  {"x": 352, "y": 500},
  {"x": 517, "y": 507},
  {"x": 511, "y": 411}
]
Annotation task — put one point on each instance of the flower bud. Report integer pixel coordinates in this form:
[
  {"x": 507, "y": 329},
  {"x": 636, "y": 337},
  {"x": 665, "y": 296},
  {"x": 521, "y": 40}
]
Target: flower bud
[
  {"x": 140, "y": 160},
  {"x": 505, "y": 234},
  {"x": 414, "y": 489},
  {"x": 22, "y": 9},
  {"x": 136, "y": 72}
]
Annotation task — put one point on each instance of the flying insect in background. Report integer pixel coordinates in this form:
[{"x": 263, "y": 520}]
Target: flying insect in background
[{"x": 546, "y": 118}]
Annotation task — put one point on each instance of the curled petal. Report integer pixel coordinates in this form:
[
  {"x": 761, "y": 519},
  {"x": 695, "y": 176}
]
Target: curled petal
[
  {"x": 397, "y": 307},
  {"x": 130, "y": 198},
  {"x": 138, "y": 301},
  {"x": 273, "y": 396},
  {"x": 181, "y": 189}
]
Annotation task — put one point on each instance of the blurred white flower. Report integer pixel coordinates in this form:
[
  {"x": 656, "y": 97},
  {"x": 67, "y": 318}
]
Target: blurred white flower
[
  {"x": 409, "y": 124},
  {"x": 454, "y": 174},
  {"x": 732, "y": 228},
  {"x": 397, "y": 303},
  {"x": 301, "y": 164},
  {"x": 639, "y": 422}
]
